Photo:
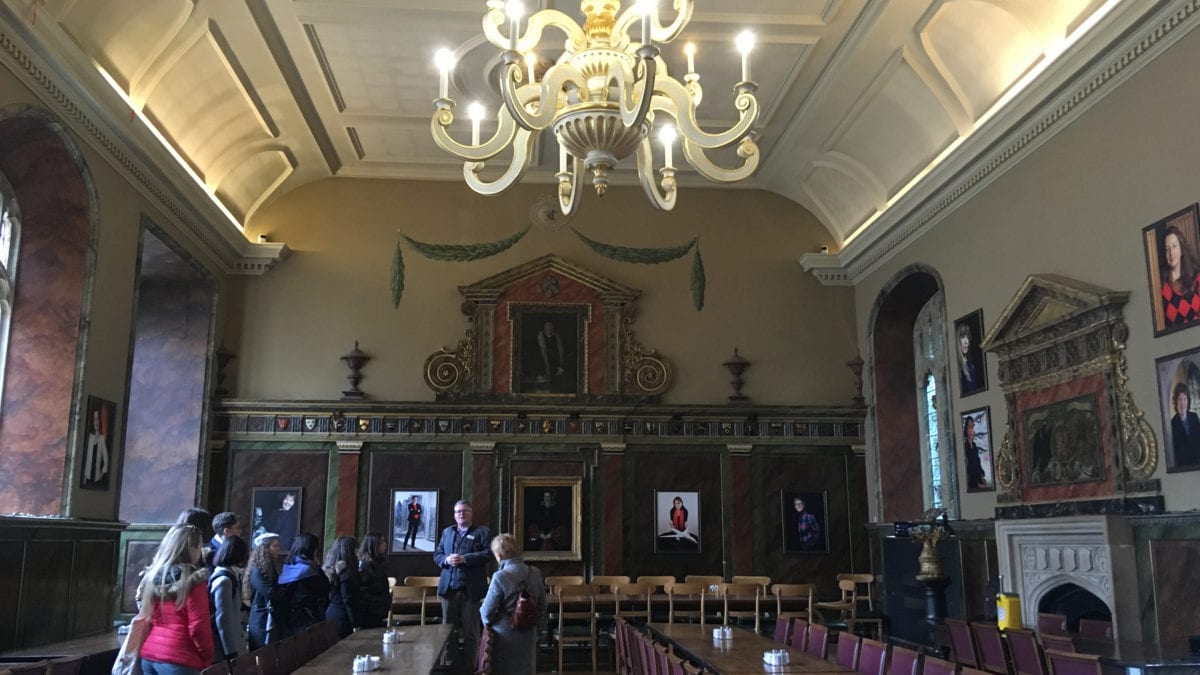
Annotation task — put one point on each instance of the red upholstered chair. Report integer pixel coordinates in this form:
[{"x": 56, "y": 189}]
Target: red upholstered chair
[
  {"x": 268, "y": 659},
  {"x": 799, "y": 636},
  {"x": 972, "y": 671},
  {"x": 246, "y": 664},
  {"x": 649, "y": 660},
  {"x": 904, "y": 661},
  {"x": 219, "y": 668},
  {"x": 31, "y": 668},
  {"x": 991, "y": 647},
  {"x": 963, "y": 643},
  {"x": 289, "y": 660},
  {"x": 1025, "y": 651},
  {"x": 783, "y": 630},
  {"x": 1054, "y": 624},
  {"x": 872, "y": 657},
  {"x": 817, "y": 643},
  {"x": 1059, "y": 643},
  {"x": 1096, "y": 630},
  {"x": 938, "y": 667},
  {"x": 848, "y": 646},
  {"x": 1068, "y": 663},
  {"x": 69, "y": 665}
]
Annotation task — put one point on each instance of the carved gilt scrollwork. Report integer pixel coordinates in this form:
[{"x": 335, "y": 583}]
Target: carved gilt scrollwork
[
  {"x": 645, "y": 372},
  {"x": 1140, "y": 448},
  {"x": 1008, "y": 467},
  {"x": 450, "y": 369}
]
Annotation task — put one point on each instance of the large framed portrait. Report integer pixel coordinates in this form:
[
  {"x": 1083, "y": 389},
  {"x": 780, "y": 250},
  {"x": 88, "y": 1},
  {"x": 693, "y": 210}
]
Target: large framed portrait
[
  {"x": 1063, "y": 442},
  {"x": 277, "y": 509},
  {"x": 805, "y": 521},
  {"x": 676, "y": 521},
  {"x": 972, "y": 370},
  {"x": 414, "y": 520},
  {"x": 977, "y": 449},
  {"x": 1172, "y": 252},
  {"x": 1178, "y": 387},
  {"x": 99, "y": 419},
  {"x": 549, "y": 517},
  {"x": 549, "y": 350}
]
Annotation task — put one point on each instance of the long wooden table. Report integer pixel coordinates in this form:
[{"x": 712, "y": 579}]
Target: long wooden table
[
  {"x": 422, "y": 649},
  {"x": 739, "y": 656}
]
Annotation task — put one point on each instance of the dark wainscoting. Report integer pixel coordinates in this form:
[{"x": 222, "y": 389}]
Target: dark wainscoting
[
  {"x": 57, "y": 581},
  {"x": 280, "y": 467}
]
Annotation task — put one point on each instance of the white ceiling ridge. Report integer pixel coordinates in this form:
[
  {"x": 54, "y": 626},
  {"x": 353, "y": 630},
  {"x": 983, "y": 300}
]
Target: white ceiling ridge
[{"x": 1103, "y": 59}]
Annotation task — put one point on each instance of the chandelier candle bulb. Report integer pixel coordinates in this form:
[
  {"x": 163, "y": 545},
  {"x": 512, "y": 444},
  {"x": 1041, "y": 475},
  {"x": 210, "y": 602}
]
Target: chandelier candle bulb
[
  {"x": 647, "y": 8},
  {"x": 690, "y": 50},
  {"x": 475, "y": 112},
  {"x": 562, "y": 158},
  {"x": 667, "y": 136},
  {"x": 515, "y": 10},
  {"x": 745, "y": 45},
  {"x": 530, "y": 62},
  {"x": 444, "y": 60}
]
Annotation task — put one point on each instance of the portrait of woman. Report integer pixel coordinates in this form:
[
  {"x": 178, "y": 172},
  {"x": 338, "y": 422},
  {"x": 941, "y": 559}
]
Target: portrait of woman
[
  {"x": 678, "y": 522},
  {"x": 1172, "y": 248},
  {"x": 1178, "y": 384},
  {"x": 972, "y": 373},
  {"x": 977, "y": 450}
]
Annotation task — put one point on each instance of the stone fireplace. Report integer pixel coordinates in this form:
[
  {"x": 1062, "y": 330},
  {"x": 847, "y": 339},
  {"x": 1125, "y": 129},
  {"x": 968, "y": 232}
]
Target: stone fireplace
[{"x": 1095, "y": 553}]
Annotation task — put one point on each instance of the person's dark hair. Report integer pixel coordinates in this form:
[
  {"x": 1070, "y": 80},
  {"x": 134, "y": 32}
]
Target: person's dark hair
[
  {"x": 199, "y": 519},
  {"x": 368, "y": 550},
  {"x": 305, "y": 545},
  {"x": 1187, "y": 264},
  {"x": 1180, "y": 388},
  {"x": 233, "y": 553},
  {"x": 341, "y": 551},
  {"x": 224, "y": 520},
  {"x": 968, "y": 421}
]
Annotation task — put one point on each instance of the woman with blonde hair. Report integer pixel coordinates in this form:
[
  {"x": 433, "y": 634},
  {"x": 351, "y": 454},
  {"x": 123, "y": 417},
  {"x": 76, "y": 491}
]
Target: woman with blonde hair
[
  {"x": 174, "y": 592},
  {"x": 513, "y": 651}
]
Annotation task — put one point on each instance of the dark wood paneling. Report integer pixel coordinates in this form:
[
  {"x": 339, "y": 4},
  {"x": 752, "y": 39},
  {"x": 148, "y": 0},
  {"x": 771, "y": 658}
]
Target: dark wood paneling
[
  {"x": 92, "y": 587},
  {"x": 12, "y": 556},
  {"x": 47, "y": 567},
  {"x": 138, "y": 555},
  {"x": 650, "y": 469},
  {"x": 276, "y": 469},
  {"x": 1175, "y": 565},
  {"x": 412, "y": 469},
  {"x": 614, "y": 514},
  {"x": 347, "y": 491}
]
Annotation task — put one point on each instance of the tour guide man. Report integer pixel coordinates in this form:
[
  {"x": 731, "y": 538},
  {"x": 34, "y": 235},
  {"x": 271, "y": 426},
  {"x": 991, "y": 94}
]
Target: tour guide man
[{"x": 463, "y": 552}]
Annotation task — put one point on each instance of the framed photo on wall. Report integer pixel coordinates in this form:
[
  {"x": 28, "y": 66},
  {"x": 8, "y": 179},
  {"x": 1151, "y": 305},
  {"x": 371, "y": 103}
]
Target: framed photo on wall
[
  {"x": 972, "y": 369},
  {"x": 677, "y": 522},
  {"x": 1172, "y": 267},
  {"x": 977, "y": 449},
  {"x": 277, "y": 509},
  {"x": 1178, "y": 388},
  {"x": 548, "y": 515},
  {"x": 549, "y": 349},
  {"x": 805, "y": 521},
  {"x": 98, "y": 419},
  {"x": 414, "y": 520}
]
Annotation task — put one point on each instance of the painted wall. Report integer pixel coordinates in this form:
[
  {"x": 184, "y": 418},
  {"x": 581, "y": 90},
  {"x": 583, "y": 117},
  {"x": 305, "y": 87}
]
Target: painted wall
[
  {"x": 1076, "y": 206},
  {"x": 290, "y": 326}
]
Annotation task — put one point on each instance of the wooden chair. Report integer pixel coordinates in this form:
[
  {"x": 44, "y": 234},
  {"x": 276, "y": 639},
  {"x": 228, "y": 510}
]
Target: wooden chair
[
  {"x": 848, "y": 647},
  {"x": 799, "y": 638},
  {"x": 681, "y": 594},
  {"x": 289, "y": 660},
  {"x": 406, "y": 599},
  {"x": 577, "y": 605},
  {"x": 1054, "y": 624},
  {"x": 864, "y": 591},
  {"x": 736, "y": 598},
  {"x": 246, "y": 664},
  {"x": 972, "y": 671},
  {"x": 1059, "y": 643},
  {"x": 304, "y": 646},
  {"x": 783, "y": 630},
  {"x": 938, "y": 667},
  {"x": 218, "y": 668},
  {"x": 963, "y": 643},
  {"x": 705, "y": 579},
  {"x": 903, "y": 661},
  {"x": 1025, "y": 651},
  {"x": 268, "y": 657},
  {"x": 991, "y": 647},
  {"x": 1095, "y": 629},
  {"x": 790, "y": 595},
  {"x": 637, "y": 595},
  {"x": 764, "y": 582},
  {"x": 32, "y": 668},
  {"x": 872, "y": 658},
  {"x": 624, "y": 642},
  {"x": 816, "y": 644},
  {"x": 1069, "y": 663},
  {"x": 846, "y": 608},
  {"x": 657, "y": 583},
  {"x": 69, "y": 665},
  {"x": 608, "y": 581}
]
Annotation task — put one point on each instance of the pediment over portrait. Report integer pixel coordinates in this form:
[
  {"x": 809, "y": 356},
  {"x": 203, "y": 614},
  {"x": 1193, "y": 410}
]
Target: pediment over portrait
[
  {"x": 1044, "y": 302},
  {"x": 547, "y": 269}
]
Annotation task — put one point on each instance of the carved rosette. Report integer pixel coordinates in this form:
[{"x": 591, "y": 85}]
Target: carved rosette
[
  {"x": 451, "y": 369},
  {"x": 645, "y": 372}
]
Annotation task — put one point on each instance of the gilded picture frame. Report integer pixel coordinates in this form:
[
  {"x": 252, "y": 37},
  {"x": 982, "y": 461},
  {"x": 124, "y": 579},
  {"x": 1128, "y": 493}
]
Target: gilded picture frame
[
  {"x": 1173, "y": 244},
  {"x": 548, "y": 517}
]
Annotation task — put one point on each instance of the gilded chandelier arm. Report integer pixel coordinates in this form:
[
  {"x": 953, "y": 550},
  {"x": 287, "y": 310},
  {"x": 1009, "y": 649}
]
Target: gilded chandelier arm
[
  {"x": 538, "y": 22},
  {"x": 658, "y": 32},
  {"x": 544, "y": 94},
  {"x": 522, "y": 146},
  {"x": 440, "y": 126},
  {"x": 678, "y": 103},
  {"x": 747, "y": 150},
  {"x": 645, "y": 168}
]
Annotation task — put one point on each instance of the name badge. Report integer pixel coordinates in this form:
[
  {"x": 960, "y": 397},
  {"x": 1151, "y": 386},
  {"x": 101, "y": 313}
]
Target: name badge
[{"x": 470, "y": 536}]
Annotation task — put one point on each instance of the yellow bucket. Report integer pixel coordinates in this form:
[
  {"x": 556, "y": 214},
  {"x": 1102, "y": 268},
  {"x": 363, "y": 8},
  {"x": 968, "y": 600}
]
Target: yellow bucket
[{"x": 1008, "y": 611}]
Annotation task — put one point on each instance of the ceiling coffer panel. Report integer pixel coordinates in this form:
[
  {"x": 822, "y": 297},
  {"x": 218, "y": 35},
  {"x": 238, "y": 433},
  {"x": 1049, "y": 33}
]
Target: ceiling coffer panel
[
  {"x": 253, "y": 179},
  {"x": 839, "y": 196},
  {"x": 123, "y": 36}
]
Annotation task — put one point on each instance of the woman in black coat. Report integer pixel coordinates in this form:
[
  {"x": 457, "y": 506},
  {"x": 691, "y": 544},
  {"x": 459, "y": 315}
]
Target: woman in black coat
[
  {"x": 375, "y": 598},
  {"x": 304, "y": 584},
  {"x": 341, "y": 568},
  {"x": 268, "y": 607}
]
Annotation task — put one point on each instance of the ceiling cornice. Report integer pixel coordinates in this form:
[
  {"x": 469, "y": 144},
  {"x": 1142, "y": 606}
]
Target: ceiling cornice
[{"x": 1076, "y": 82}]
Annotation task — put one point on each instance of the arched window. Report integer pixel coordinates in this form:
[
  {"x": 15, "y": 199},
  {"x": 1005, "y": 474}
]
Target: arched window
[
  {"x": 934, "y": 428},
  {"x": 10, "y": 238}
]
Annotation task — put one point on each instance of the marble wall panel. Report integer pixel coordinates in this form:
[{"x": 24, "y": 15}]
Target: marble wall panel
[
  {"x": 650, "y": 469},
  {"x": 481, "y": 486},
  {"x": 896, "y": 421},
  {"x": 40, "y": 373},
  {"x": 743, "y": 550},
  {"x": 306, "y": 469},
  {"x": 1175, "y": 563},
  {"x": 347, "y": 491},
  {"x": 423, "y": 468},
  {"x": 614, "y": 513}
]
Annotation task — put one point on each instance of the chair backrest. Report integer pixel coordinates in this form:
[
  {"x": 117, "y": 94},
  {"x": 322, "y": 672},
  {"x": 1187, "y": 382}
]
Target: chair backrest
[
  {"x": 704, "y": 579},
  {"x": 783, "y": 629},
  {"x": 431, "y": 582},
  {"x": 631, "y": 598},
  {"x": 1096, "y": 629},
  {"x": 973, "y": 671},
  {"x": 903, "y": 662},
  {"x": 764, "y": 582},
  {"x": 991, "y": 647},
  {"x": 408, "y": 598},
  {"x": 31, "y": 668},
  {"x": 816, "y": 644},
  {"x": 289, "y": 659},
  {"x": 872, "y": 657},
  {"x": 962, "y": 642},
  {"x": 576, "y": 602},
  {"x": 1025, "y": 651},
  {"x": 218, "y": 668},
  {"x": 1055, "y": 624},
  {"x": 938, "y": 667},
  {"x": 608, "y": 581},
  {"x": 792, "y": 595},
  {"x": 799, "y": 637},
  {"x": 848, "y": 646},
  {"x": 1069, "y": 663},
  {"x": 555, "y": 582},
  {"x": 246, "y": 664},
  {"x": 678, "y": 592},
  {"x": 738, "y": 593},
  {"x": 304, "y": 648},
  {"x": 866, "y": 593},
  {"x": 658, "y": 582},
  {"x": 268, "y": 658},
  {"x": 1059, "y": 643},
  {"x": 69, "y": 665}
]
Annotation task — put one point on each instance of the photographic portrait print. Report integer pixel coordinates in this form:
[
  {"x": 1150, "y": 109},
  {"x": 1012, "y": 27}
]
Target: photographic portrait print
[
  {"x": 549, "y": 349},
  {"x": 277, "y": 509},
  {"x": 1063, "y": 442},
  {"x": 972, "y": 369},
  {"x": 548, "y": 514},
  {"x": 1178, "y": 387},
  {"x": 977, "y": 449},
  {"x": 414, "y": 520},
  {"x": 805, "y": 523},
  {"x": 1172, "y": 251},
  {"x": 99, "y": 420},
  {"x": 676, "y": 521}
]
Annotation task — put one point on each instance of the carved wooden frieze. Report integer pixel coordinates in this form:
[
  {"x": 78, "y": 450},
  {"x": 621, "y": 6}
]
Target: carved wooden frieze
[
  {"x": 548, "y": 330},
  {"x": 1073, "y": 430}
]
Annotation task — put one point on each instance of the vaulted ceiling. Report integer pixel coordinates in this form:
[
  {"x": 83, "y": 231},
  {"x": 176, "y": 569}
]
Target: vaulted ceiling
[{"x": 860, "y": 98}]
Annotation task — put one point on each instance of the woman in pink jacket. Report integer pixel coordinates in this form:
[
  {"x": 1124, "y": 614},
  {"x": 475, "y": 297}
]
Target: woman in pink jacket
[{"x": 174, "y": 592}]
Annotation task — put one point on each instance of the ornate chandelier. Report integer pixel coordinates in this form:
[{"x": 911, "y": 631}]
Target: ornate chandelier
[{"x": 601, "y": 98}]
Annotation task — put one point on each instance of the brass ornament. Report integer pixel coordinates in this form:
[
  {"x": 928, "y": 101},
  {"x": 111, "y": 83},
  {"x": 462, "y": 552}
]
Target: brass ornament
[
  {"x": 1139, "y": 446},
  {"x": 450, "y": 369},
  {"x": 644, "y": 369}
]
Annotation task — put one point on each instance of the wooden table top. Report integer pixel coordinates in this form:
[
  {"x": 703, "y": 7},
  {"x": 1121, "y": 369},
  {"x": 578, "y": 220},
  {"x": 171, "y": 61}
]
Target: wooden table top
[
  {"x": 95, "y": 644},
  {"x": 419, "y": 651},
  {"x": 743, "y": 654}
]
